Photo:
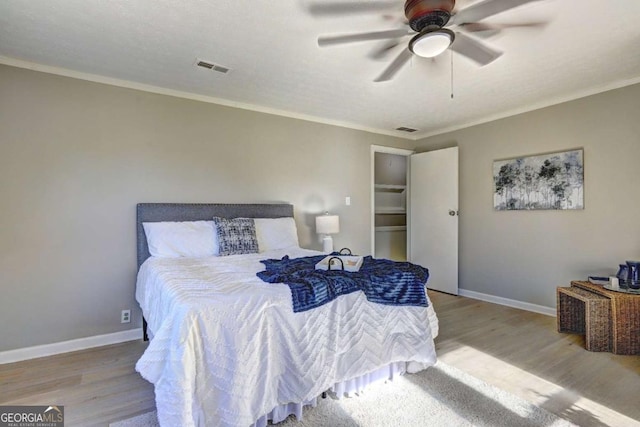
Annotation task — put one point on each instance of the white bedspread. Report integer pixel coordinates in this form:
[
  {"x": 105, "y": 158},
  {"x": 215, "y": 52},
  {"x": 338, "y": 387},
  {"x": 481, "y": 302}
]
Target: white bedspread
[{"x": 227, "y": 348}]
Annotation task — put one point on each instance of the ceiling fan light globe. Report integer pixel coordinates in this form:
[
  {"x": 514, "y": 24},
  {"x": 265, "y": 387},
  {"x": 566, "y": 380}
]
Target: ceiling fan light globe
[{"x": 432, "y": 43}]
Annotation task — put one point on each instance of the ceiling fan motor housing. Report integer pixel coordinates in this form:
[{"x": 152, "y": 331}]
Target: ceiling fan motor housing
[{"x": 428, "y": 14}]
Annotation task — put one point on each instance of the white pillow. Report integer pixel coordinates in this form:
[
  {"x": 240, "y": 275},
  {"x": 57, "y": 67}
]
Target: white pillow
[
  {"x": 276, "y": 233},
  {"x": 193, "y": 239}
]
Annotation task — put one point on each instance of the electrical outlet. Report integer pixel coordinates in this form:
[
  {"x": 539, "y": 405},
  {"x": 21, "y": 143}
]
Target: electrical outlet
[
  {"x": 125, "y": 316},
  {"x": 347, "y": 201}
]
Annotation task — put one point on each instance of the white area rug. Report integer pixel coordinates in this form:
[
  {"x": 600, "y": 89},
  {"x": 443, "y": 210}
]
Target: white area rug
[{"x": 441, "y": 396}]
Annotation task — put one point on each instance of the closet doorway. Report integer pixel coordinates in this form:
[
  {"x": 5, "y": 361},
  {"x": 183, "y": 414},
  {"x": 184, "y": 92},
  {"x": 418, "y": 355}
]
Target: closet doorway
[{"x": 389, "y": 168}]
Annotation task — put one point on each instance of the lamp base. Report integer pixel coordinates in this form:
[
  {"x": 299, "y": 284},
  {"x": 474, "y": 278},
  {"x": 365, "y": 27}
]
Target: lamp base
[{"x": 327, "y": 244}]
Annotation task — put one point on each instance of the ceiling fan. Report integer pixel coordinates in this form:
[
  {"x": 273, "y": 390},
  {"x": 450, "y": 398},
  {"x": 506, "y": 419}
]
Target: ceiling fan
[{"x": 431, "y": 24}]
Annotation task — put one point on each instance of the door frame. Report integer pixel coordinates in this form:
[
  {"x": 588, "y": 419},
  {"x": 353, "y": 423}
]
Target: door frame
[{"x": 388, "y": 150}]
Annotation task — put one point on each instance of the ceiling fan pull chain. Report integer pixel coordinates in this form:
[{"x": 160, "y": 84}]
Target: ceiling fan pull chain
[{"x": 451, "y": 54}]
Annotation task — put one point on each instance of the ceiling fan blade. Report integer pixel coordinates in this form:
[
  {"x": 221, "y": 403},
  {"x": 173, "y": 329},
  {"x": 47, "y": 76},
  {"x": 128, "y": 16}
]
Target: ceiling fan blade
[
  {"x": 349, "y": 7},
  {"x": 474, "y": 49},
  {"x": 473, "y": 27},
  {"x": 324, "y": 41},
  {"x": 395, "y": 66},
  {"x": 485, "y": 8},
  {"x": 485, "y": 34},
  {"x": 384, "y": 50}
]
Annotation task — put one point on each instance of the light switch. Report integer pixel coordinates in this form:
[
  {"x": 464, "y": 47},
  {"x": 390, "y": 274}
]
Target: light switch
[{"x": 347, "y": 201}]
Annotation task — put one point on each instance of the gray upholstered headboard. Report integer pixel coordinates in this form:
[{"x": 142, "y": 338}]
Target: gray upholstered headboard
[{"x": 156, "y": 212}]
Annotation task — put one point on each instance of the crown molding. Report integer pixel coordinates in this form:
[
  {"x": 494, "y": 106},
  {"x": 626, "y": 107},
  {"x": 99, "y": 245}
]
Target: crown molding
[
  {"x": 292, "y": 115},
  {"x": 537, "y": 106},
  {"x": 192, "y": 96}
]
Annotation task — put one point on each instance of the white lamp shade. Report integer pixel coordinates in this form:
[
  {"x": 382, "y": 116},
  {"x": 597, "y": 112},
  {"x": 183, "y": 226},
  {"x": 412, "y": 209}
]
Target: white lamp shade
[{"x": 327, "y": 224}]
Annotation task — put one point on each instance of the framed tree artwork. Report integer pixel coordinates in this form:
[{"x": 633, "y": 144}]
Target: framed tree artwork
[{"x": 547, "y": 181}]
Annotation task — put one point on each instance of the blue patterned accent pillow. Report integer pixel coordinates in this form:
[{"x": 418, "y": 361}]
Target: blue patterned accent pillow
[{"x": 236, "y": 236}]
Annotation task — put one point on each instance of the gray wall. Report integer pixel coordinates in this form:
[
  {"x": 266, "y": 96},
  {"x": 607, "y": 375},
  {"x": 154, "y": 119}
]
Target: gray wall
[
  {"x": 76, "y": 157},
  {"x": 525, "y": 255}
]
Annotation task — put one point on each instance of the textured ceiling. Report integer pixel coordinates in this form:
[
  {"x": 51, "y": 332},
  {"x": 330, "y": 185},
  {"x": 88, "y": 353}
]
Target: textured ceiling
[{"x": 276, "y": 65}]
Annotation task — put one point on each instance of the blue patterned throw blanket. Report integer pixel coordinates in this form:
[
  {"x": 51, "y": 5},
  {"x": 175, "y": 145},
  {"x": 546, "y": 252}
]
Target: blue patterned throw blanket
[{"x": 382, "y": 281}]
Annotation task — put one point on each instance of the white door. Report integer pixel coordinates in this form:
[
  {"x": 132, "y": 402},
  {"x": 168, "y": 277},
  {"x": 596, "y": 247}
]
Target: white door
[{"x": 433, "y": 217}]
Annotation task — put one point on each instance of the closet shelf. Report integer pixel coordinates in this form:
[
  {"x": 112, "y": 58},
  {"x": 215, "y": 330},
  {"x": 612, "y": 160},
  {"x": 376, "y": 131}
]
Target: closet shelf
[
  {"x": 390, "y": 210},
  {"x": 392, "y": 188},
  {"x": 391, "y": 228}
]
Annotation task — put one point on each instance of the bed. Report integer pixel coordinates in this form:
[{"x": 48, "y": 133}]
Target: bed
[{"x": 226, "y": 348}]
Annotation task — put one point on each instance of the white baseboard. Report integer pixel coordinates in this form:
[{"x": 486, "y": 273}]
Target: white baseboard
[
  {"x": 19, "y": 354},
  {"x": 549, "y": 311},
  {"x": 26, "y": 353}
]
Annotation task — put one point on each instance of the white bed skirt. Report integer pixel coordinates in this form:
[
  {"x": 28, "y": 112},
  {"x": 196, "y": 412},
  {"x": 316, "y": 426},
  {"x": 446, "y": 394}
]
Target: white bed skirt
[{"x": 341, "y": 389}]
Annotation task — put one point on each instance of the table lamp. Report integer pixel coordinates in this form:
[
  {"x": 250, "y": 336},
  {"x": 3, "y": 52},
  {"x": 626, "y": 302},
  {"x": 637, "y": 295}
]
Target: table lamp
[{"x": 327, "y": 225}]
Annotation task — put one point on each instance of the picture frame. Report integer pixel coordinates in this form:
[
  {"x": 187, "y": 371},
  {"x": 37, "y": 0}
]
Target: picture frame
[{"x": 553, "y": 181}]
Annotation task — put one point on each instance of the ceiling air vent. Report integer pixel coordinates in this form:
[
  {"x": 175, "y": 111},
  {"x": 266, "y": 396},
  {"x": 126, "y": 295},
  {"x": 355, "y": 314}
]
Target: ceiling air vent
[
  {"x": 211, "y": 66},
  {"x": 404, "y": 129}
]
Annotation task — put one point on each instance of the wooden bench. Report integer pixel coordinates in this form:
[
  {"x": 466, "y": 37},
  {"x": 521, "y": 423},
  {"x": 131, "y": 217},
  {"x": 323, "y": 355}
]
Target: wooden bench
[{"x": 583, "y": 312}]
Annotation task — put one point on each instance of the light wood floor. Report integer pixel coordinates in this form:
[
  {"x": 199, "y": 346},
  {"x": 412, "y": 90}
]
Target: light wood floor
[{"x": 518, "y": 351}]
